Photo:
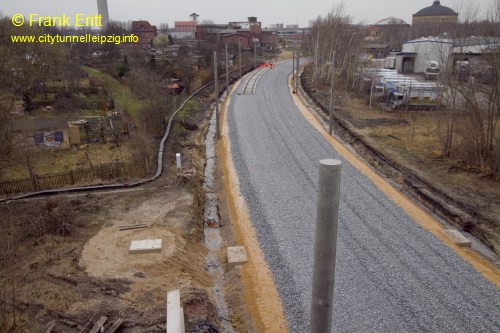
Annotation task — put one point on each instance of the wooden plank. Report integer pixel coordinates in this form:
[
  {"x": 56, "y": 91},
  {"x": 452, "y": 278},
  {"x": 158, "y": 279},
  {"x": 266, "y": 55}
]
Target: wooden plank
[
  {"x": 99, "y": 324},
  {"x": 115, "y": 326},
  {"x": 51, "y": 326},
  {"x": 134, "y": 226}
]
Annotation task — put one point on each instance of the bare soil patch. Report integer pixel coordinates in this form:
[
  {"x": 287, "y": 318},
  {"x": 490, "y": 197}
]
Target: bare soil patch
[
  {"x": 73, "y": 277},
  {"x": 77, "y": 278}
]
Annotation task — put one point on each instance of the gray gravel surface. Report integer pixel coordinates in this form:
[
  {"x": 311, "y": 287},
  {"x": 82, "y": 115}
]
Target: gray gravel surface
[{"x": 391, "y": 275}]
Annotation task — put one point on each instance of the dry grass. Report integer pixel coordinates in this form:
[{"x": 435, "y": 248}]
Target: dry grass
[
  {"x": 49, "y": 161},
  {"x": 413, "y": 141}
]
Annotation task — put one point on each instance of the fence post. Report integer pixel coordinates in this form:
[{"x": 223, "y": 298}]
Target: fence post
[
  {"x": 71, "y": 177},
  {"x": 325, "y": 246},
  {"x": 36, "y": 184}
]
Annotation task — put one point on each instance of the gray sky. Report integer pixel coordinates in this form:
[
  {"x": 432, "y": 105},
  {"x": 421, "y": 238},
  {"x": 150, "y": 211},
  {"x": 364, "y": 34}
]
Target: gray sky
[{"x": 219, "y": 11}]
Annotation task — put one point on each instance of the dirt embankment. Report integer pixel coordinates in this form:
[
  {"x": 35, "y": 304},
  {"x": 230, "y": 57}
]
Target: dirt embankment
[
  {"x": 65, "y": 260},
  {"x": 405, "y": 147}
]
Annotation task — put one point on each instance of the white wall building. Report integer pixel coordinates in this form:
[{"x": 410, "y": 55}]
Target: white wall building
[{"x": 416, "y": 54}]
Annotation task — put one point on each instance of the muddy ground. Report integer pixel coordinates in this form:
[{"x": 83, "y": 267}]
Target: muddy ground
[
  {"x": 404, "y": 146},
  {"x": 65, "y": 261}
]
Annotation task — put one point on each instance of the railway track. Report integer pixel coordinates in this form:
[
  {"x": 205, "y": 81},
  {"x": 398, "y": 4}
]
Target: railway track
[{"x": 251, "y": 83}]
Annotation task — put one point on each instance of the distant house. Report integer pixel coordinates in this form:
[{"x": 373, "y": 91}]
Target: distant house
[
  {"x": 185, "y": 26},
  {"x": 269, "y": 39},
  {"x": 416, "y": 54},
  {"x": 185, "y": 29},
  {"x": 235, "y": 38},
  {"x": 145, "y": 31}
]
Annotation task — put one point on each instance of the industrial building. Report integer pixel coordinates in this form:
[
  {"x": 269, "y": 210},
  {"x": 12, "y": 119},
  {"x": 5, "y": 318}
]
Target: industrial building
[{"x": 435, "y": 14}]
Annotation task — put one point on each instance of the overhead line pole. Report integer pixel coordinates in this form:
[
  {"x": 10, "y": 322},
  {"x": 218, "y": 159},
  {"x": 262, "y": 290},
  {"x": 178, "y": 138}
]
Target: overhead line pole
[
  {"x": 227, "y": 72},
  {"x": 297, "y": 76},
  {"x": 293, "y": 70},
  {"x": 254, "y": 54},
  {"x": 325, "y": 246},
  {"x": 216, "y": 96},
  {"x": 330, "y": 121}
]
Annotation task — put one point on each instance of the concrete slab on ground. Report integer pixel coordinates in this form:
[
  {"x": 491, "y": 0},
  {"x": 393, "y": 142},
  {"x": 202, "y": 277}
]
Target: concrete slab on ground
[
  {"x": 236, "y": 255},
  {"x": 175, "y": 313},
  {"x": 457, "y": 238},
  {"x": 145, "y": 245}
]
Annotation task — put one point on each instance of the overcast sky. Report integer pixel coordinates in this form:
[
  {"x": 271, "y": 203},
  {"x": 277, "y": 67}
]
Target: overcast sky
[{"x": 223, "y": 11}]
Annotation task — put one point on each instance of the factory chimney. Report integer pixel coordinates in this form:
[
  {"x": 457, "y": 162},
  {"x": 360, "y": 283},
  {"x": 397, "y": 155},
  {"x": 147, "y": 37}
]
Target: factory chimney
[{"x": 102, "y": 9}]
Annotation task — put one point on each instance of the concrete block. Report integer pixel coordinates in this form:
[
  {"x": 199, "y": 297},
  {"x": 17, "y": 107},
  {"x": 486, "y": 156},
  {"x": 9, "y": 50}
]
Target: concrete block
[
  {"x": 236, "y": 255},
  {"x": 145, "y": 245},
  {"x": 457, "y": 238}
]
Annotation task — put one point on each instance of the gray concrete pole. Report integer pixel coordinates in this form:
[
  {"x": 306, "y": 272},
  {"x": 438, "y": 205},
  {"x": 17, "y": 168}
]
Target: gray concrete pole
[
  {"x": 293, "y": 71},
  {"x": 239, "y": 54},
  {"x": 325, "y": 246},
  {"x": 330, "y": 121},
  {"x": 297, "y": 76},
  {"x": 227, "y": 71},
  {"x": 216, "y": 96},
  {"x": 254, "y": 54}
]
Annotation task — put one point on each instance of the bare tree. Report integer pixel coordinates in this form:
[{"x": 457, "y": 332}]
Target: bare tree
[
  {"x": 329, "y": 34},
  {"x": 468, "y": 10},
  {"x": 473, "y": 112}
]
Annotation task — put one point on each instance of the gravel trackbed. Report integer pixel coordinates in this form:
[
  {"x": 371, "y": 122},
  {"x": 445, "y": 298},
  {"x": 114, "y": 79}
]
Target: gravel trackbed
[{"x": 391, "y": 275}]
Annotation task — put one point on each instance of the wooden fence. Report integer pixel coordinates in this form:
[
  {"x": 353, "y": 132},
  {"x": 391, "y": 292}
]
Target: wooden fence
[{"x": 95, "y": 175}]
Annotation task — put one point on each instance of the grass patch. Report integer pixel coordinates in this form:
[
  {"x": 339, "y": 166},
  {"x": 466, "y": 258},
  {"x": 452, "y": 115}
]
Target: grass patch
[
  {"x": 124, "y": 98},
  {"x": 191, "y": 107}
]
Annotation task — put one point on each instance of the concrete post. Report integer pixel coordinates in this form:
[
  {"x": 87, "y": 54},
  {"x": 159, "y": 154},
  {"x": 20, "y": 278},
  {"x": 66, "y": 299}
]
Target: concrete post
[
  {"x": 178, "y": 161},
  {"x": 330, "y": 121},
  {"x": 297, "y": 76},
  {"x": 293, "y": 71},
  {"x": 239, "y": 54},
  {"x": 216, "y": 80},
  {"x": 254, "y": 54},
  {"x": 325, "y": 246},
  {"x": 227, "y": 71}
]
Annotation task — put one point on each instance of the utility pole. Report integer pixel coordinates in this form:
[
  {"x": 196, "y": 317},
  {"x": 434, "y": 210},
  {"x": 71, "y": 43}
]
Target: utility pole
[
  {"x": 239, "y": 54},
  {"x": 254, "y": 54},
  {"x": 325, "y": 246},
  {"x": 216, "y": 96},
  {"x": 297, "y": 76},
  {"x": 330, "y": 121},
  {"x": 227, "y": 72},
  {"x": 293, "y": 71}
]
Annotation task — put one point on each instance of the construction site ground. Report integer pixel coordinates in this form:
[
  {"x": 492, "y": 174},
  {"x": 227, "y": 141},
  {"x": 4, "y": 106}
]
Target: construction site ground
[{"x": 65, "y": 260}]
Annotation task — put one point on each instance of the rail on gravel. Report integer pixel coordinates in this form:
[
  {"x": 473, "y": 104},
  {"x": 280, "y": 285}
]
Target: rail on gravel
[{"x": 434, "y": 199}]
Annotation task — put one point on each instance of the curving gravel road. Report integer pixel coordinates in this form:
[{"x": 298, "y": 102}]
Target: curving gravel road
[{"x": 391, "y": 275}]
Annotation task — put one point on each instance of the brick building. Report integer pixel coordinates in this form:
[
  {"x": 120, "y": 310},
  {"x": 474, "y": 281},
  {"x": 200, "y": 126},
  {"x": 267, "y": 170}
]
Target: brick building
[
  {"x": 235, "y": 38},
  {"x": 145, "y": 31},
  {"x": 435, "y": 14}
]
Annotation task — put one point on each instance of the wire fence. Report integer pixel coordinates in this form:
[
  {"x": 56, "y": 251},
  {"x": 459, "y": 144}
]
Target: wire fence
[{"x": 102, "y": 173}]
